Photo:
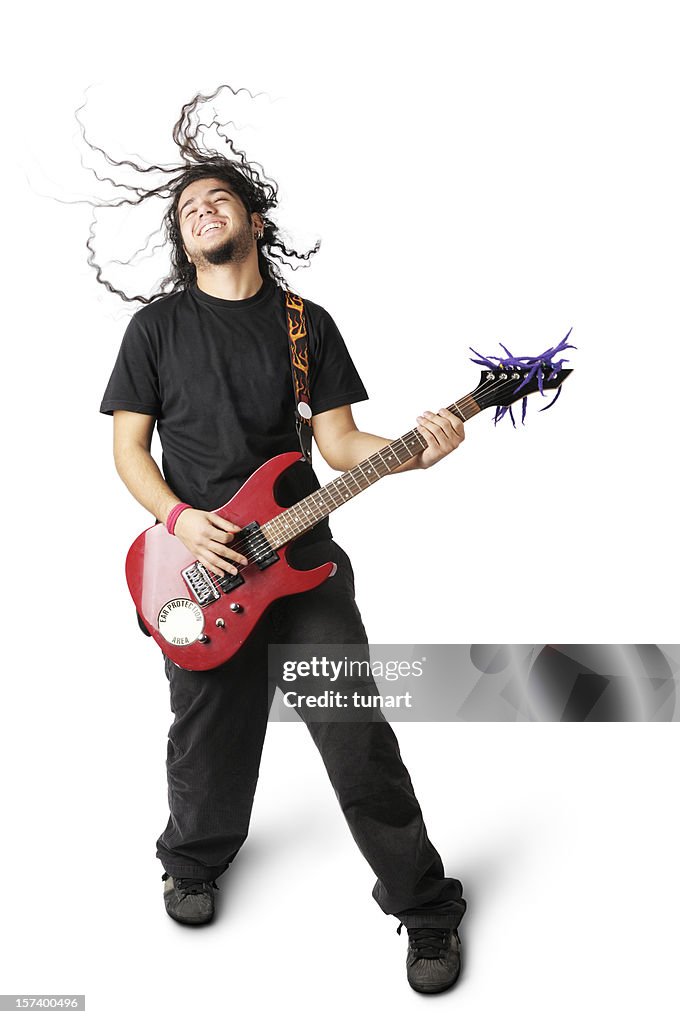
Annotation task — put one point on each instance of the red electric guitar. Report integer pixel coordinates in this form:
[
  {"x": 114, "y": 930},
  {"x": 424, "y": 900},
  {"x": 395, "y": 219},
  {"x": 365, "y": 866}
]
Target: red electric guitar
[{"x": 199, "y": 619}]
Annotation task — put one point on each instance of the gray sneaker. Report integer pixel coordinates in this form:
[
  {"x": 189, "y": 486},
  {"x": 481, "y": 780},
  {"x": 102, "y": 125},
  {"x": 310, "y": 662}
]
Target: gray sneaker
[
  {"x": 189, "y": 900},
  {"x": 433, "y": 958}
]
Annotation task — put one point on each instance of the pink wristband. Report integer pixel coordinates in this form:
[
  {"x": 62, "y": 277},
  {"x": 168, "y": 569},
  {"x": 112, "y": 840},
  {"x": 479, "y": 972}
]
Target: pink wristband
[{"x": 174, "y": 515}]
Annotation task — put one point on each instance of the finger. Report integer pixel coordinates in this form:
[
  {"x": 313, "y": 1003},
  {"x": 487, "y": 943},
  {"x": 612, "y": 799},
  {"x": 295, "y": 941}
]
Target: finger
[
  {"x": 226, "y": 552},
  {"x": 218, "y": 565},
  {"x": 430, "y": 437},
  {"x": 455, "y": 422},
  {"x": 445, "y": 439},
  {"x": 220, "y": 537},
  {"x": 431, "y": 427},
  {"x": 451, "y": 429},
  {"x": 222, "y": 524},
  {"x": 211, "y": 563},
  {"x": 445, "y": 420}
]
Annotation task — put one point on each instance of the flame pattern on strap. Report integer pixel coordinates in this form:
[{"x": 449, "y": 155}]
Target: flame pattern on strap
[
  {"x": 297, "y": 333},
  {"x": 535, "y": 365}
]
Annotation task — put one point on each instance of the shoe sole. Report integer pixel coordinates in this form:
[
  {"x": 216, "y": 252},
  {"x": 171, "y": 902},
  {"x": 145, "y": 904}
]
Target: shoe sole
[{"x": 434, "y": 991}]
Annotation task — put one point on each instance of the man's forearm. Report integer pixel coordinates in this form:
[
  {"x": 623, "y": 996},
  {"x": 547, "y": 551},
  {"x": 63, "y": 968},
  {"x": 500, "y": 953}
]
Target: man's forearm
[
  {"x": 142, "y": 477},
  {"x": 356, "y": 445}
]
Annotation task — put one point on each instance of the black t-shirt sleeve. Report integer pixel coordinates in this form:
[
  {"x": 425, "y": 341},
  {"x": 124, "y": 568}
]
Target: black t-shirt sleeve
[
  {"x": 334, "y": 380},
  {"x": 134, "y": 381}
]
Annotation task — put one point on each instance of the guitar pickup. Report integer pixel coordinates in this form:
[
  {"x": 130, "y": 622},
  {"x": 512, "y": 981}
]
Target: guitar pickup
[
  {"x": 229, "y": 582},
  {"x": 257, "y": 547}
]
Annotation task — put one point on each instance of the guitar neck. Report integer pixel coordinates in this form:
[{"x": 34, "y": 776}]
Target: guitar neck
[{"x": 305, "y": 514}]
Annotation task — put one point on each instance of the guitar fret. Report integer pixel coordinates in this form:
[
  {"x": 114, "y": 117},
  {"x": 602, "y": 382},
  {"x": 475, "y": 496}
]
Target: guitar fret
[
  {"x": 355, "y": 482},
  {"x": 334, "y": 483},
  {"x": 368, "y": 482},
  {"x": 457, "y": 411}
]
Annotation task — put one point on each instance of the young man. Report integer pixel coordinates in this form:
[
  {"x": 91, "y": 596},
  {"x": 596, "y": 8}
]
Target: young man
[{"x": 209, "y": 364}]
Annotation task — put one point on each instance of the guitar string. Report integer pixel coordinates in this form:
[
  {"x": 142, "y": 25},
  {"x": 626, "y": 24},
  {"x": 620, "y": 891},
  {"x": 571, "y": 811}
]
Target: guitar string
[
  {"x": 264, "y": 544},
  {"x": 261, "y": 546}
]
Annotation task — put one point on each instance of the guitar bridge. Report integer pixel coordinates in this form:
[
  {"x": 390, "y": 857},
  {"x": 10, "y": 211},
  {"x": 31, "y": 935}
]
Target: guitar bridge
[{"x": 202, "y": 584}]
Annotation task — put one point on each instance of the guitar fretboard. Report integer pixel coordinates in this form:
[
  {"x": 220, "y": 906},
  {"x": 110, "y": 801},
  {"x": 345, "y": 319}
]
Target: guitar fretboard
[{"x": 305, "y": 514}]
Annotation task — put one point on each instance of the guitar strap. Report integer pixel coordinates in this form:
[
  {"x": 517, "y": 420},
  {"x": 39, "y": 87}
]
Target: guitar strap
[{"x": 299, "y": 363}]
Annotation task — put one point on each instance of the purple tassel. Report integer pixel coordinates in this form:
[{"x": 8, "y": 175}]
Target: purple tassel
[
  {"x": 557, "y": 395},
  {"x": 534, "y": 365}
]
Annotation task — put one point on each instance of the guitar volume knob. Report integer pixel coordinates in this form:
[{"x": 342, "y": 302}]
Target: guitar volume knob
[{"x": 236, "y": 607}]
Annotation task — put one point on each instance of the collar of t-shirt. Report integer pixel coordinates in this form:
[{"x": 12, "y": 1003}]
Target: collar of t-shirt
[{"x": 263, "y": 293}]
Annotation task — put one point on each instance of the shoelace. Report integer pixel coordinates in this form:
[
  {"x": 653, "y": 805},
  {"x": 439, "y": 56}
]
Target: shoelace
[
  {"x": 191, "y": 886},
  {"x": 427, "y": 943}
]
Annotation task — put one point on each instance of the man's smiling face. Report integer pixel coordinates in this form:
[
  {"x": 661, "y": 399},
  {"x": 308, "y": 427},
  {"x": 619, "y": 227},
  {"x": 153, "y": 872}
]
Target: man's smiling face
[{"x": 215, "y": 225}]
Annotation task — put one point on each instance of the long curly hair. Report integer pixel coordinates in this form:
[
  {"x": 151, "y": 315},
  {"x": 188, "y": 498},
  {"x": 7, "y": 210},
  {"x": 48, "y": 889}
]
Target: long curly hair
[{"x": 256, "y": 190}]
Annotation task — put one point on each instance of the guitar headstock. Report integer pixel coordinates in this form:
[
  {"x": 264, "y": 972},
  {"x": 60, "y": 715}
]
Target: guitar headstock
[
  {"x": 506, "y": 380},
  {"x": 508, "y": 383}
]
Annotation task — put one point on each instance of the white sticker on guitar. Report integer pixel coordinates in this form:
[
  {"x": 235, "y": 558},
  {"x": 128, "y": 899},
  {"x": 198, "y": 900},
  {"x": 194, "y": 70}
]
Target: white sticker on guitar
[{"x": 180, "y": 621}]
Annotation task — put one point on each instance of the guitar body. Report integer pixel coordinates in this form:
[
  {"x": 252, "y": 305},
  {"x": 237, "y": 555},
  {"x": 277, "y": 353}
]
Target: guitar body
[{"x": 193, "y": 626}]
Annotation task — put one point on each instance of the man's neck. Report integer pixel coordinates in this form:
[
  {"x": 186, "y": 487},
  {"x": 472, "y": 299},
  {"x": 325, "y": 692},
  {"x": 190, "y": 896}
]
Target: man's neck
[{"x": 231, "y": 281}]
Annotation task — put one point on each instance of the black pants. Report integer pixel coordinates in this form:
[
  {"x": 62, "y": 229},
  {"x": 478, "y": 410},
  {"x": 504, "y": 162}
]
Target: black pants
[{"x": 215, "y": 745}]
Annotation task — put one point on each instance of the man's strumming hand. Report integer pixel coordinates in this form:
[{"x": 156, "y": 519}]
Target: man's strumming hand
[
  {"x": 207, "y": 535},
  {"x": 443, "y": 432}
]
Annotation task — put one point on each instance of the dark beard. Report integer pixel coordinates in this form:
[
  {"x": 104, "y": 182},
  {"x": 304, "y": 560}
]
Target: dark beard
[{"x": 234, "y": 250}]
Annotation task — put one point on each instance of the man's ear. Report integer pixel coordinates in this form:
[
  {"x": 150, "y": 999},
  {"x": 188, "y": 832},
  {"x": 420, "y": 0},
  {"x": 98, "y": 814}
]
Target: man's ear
[{"x": 187, "y": 255}]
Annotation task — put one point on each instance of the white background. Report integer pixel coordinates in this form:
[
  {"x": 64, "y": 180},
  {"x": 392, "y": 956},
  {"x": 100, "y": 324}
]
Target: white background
[{"x": 477, "y": 174}]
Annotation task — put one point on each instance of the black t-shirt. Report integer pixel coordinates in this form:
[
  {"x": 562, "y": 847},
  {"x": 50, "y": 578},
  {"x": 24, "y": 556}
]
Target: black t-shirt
[{"x": 216, "y": 375}]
